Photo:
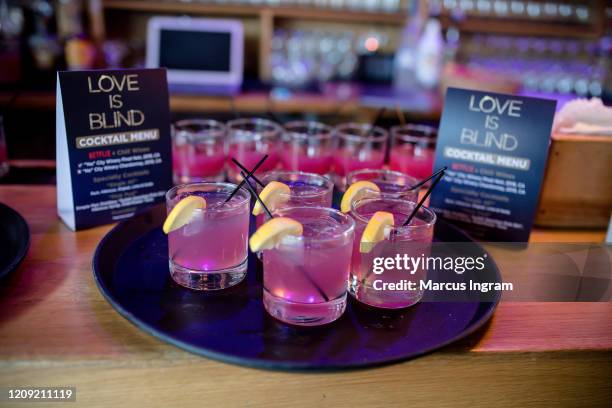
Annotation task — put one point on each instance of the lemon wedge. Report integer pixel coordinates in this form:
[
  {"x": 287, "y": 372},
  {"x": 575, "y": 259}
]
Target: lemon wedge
[
  {"x": 183, "y": 212},
  {"x": 273, "y": 195},
  {"x": 355, "y": 192},
  {"x": 270, "y": 233},
  {"x": 375, "y": 230}
]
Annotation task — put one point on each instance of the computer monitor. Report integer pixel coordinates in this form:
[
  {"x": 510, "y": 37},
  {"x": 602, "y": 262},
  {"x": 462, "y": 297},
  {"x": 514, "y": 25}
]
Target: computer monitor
[{"x": 201, "y": 55}]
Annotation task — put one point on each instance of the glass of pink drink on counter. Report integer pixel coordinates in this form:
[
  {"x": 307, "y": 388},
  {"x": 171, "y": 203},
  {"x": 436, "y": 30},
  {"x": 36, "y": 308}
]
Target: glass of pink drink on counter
[
  {"x": 250, "y": 139},
  {"x": 392, "y": 184},
  {"x": 358, "y": 146},
  {"x": 210, "y": 252},
  {"x": 198, "y": 150},
  {"x": 413, "y": 240},
  {"x": 307, "y": 146},
  {"x": 307, "y": 190},
  {"x": 305, "y": 277},
  {"x": 413, "y": 149}
]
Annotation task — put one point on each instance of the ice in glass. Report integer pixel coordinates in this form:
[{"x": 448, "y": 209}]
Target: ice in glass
[
  {"x": 391, "y": 183},
  {"x": 210, "y": 251},
  {"x": 305, "y": 277},
  {"x": 413, "y": 240},
  {"x": 307, "y": 189}
]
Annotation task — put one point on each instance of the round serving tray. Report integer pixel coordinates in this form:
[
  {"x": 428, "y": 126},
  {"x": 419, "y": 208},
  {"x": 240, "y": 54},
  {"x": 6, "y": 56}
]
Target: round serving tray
[
  {"x": 14, "y": 240},
  {"x": 130, "y": 267}
]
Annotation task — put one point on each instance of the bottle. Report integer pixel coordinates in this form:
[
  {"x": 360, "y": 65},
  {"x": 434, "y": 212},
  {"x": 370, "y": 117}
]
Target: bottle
[
  {"x": 404, "y": 63},
  {"x": 430, "y": 54}
]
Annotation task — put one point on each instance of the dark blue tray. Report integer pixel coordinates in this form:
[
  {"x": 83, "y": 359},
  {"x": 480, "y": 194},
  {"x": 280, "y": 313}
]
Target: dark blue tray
[
  {"x": 14, "y": 240},
  {"x": 130, "y": 267}
]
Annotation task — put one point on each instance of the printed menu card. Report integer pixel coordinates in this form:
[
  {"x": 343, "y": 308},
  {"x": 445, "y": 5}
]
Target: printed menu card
[
  {"x": 495, "y": 147},
  {"x": 112, "y": 144}
]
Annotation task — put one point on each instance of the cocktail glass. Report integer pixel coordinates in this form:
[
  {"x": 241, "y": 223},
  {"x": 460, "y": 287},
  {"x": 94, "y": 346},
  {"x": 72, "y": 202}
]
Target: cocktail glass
[
  {"x": 358, "y": 146},
  {"x": 210, "y": 252},
  {"x": 393, "y": 184},
  {"x": 307, "y": 190},
  {"x": 249, "y": 140},
  {"x": 413, "y": 240},
  {"x": 198, "y": 150},
  {"x": 307, "y": 146},
  {"x": 413, "y": 149},
  {"x": 305, "y": 277}
]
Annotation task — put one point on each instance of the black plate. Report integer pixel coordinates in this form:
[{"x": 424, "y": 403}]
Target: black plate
[
  {"x": 14, "y": 240},
  {"x": 131, "y": 269}
]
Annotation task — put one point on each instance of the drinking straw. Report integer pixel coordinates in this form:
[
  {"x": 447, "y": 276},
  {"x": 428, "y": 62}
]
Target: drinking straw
[
  {"x": 232, "y": 102},
  {"x": 376, "y": 120},
  {"x": 273, "y": 116},
  {"x": 400, "y": 115},
  {"x": 250, "y": 174},
  {"x": 259, "y": 163},
  {"x": 440, "y": 174},
  {"x": 308, "y": 277},
  {"x": 254, "y": 193},
  {"x": 420, "y": 204},
  {"x": 420, "y": 183}
]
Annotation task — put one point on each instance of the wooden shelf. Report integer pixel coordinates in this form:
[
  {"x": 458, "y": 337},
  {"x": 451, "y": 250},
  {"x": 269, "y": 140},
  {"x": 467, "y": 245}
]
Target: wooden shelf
[
  {"x": 308, "y": 13},
  {"x": 256, "y": 102},
  {"x": 533, "y": 28}
]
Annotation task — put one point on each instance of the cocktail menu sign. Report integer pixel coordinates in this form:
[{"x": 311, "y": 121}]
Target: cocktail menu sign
[
  {"x": 113, "y": 144},
  {"x": 495, "y": 147}
]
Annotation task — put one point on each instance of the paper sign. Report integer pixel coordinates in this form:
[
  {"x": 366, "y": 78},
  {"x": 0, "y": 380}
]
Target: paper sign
[
  {"x": 495, "y": 147},
  {"x": 112, "y": 143}
]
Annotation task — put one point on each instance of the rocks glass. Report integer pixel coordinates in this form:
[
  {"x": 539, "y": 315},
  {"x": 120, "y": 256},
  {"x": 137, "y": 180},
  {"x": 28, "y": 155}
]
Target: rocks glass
[
  {"x": 198, "y": 150},
  {"x": 249, "y": 140},
  {"x": 414, "y": 240},
  {"x": 210, "y": 252},
  {"x": 305, "y": 277}
]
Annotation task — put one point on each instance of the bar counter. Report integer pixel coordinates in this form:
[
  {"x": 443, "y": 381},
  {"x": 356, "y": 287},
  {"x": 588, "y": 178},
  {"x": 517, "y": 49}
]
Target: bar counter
[{"x": 56, "y": 329}]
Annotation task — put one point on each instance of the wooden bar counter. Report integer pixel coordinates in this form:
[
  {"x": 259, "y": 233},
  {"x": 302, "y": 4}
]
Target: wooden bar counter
[{"x": 56, "y": 329}]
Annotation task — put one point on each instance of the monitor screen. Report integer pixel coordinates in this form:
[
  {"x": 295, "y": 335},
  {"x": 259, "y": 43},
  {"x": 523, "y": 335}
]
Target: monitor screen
[{"x": 195, "y": 50}]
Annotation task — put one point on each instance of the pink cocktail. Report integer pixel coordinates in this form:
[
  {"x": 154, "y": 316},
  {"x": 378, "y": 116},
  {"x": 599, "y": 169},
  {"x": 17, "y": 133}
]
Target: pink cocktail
[
  {"x": 305, "y": 277},
  {"x": 358, "y": 146},
  {"x": 413, "y": 149},
  {"x": 250, "y": 139},
  {"x": 307, "y": 190},
  {"x": 370, "y": 285},
  {"x": 307, "y": 146},
  {"x": 210, "y": 252},
  {"x": 392, "y": 184},
  {"x": 198, "y": 151}
]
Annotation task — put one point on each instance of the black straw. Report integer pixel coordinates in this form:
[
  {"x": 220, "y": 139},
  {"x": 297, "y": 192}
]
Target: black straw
[
  {"x": 233, "y": 108},
  {"x": 420, "y": 204},
  {"x": 259, "y": 163},
  {"x": 273, "y": 116},
  {"x": 420, "y": 183},
  {"x": 379, "y": 115},
  {"x": 249, "y": 173},
  {"x": 254, "y": 193},
  {"x": 308, "y": 277}
]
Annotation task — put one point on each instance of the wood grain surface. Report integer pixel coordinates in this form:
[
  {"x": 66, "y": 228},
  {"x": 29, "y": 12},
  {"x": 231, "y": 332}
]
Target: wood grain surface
[{"x": 56, "y": 329}]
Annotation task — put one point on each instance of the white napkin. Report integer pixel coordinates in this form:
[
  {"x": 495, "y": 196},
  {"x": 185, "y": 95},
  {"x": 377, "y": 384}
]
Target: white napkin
[{"x": 584, "y": 116}]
